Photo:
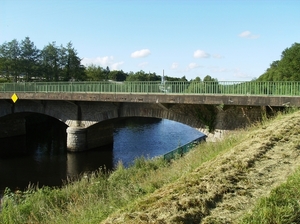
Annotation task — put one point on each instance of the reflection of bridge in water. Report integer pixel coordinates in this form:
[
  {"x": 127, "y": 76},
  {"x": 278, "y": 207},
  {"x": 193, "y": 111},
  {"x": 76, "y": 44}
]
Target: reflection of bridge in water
[{"x": 84, "y": 105}]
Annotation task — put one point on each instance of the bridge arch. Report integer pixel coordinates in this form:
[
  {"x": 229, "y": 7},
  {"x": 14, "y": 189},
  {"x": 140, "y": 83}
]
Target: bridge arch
[
  {"x": 81, "y": 116},
  {"x": 171, "y": 112},
  {"x": 61, "y": 110},
  {"x": 106, "y": 111},
  {"x": 86, "y": 114}
]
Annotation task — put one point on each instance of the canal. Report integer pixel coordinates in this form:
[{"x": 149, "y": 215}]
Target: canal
[{"x": 41, "y": 158}]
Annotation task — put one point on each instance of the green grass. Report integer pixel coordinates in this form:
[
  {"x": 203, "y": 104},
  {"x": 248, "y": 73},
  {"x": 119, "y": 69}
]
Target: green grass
[
  {"x": 282, "y": 206},
  {"x": 95, "y": 196}
]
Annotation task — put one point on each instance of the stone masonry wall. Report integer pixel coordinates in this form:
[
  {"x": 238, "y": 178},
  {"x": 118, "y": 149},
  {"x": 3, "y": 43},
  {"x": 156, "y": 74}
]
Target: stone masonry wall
[{"x": 212, "y": 120}]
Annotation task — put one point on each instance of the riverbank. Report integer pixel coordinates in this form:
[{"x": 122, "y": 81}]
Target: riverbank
[
  {"x": 215, "y": 183},
  {"x": 226, "y": 188}
]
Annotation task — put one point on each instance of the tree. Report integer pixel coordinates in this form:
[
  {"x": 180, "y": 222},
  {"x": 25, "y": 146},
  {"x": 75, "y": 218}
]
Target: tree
[
  {"x": 53, "y": 63},
  {"x": 61, "y": 63},
  {"x": 106, "y": 72},
  {"x": 30, "y": 57},
  {"x": 4, "y": 66},
  {"x": 153, "y": 77},
  {"x": 138, "y": 76},
  {"x": 211, "y": 85},
  {"x": 183, "y": 78},
  {"x": 197, "y": 79},
  {"x": 95, "y": 73},
  {"x": 50, "y": 60},
  {"x": 285, "y": 69},
  {"x": 208, "y": 78},
  {"x": 72, "y": 68},
  {"x": 117, "y": 75},
  {"x": 10, "y": 59},
  {"x": 196, "y": 86}
]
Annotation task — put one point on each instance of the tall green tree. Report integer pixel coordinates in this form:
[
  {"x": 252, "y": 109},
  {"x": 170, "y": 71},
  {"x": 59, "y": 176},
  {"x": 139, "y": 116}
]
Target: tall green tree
[
  {"x": 30, "y": 58},
  {"x": 10, "y": 59},
  {"x": 4, "y": 67},
  {"x": 285, "y": 69},
  {"x": 73, "y": 70},
  {"x": 50, "y": 62}
]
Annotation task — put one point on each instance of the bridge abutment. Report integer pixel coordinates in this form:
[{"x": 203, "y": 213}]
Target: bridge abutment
[{"x": 76, "y": 139}]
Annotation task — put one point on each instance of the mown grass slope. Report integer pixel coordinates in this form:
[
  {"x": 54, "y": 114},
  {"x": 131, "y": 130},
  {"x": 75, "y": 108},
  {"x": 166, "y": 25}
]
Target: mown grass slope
[{"x": 224, "y": 189}]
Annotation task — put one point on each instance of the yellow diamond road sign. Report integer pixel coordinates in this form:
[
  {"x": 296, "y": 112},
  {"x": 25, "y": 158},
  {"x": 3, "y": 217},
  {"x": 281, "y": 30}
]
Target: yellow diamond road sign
[{"x": 14, "y": 97}]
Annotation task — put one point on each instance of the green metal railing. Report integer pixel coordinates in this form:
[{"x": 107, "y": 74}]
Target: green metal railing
[
  {"x": 181, "y": 150},
  {"x": 284, "y": 88}
]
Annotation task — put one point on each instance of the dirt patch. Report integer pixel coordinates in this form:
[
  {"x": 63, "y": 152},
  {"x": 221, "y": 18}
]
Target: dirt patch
[{"x": 222, "y": 190}]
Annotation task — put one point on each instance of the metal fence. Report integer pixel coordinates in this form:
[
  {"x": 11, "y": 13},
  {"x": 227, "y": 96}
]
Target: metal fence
[
  {"x": 181, "y": 150},
  {"x": 284, "y": 88}
]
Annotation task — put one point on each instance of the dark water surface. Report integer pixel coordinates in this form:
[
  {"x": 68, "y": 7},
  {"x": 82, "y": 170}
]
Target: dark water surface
[{"x": 45, "y": 161}]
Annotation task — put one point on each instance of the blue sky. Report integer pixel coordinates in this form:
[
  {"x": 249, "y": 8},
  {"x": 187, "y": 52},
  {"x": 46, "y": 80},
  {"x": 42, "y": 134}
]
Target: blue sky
[{"x": 231, "y": 40}]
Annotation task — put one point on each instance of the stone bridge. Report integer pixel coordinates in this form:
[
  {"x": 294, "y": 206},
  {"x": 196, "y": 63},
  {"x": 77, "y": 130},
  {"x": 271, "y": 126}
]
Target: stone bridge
[{"x": 90, "y": 117}]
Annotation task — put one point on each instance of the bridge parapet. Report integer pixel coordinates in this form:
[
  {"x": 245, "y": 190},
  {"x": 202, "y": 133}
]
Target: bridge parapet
[{"x": 275, "y": 88}]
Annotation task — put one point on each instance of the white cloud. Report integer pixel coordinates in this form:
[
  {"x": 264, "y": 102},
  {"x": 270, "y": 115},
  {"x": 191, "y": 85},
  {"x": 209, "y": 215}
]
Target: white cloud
[
  {"x": 141, "y": 53},
  {"x": 201, "y": 54},
  {"x": 116, "y": 66},
  {"x": 174, "y": 65},
  {"x": 143, "y": 64},
  {"x": 193, "y": 65},
  {"x": 103, "y": 62},
  {"x": 247, "y": 34}
]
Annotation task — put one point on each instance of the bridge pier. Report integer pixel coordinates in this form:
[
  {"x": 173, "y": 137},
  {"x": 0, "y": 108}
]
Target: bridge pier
[{"x": 76, "y": 139}]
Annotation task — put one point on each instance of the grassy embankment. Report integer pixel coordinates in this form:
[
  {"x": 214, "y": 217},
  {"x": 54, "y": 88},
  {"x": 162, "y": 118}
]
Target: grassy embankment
[{"x": 190, "y": 189}]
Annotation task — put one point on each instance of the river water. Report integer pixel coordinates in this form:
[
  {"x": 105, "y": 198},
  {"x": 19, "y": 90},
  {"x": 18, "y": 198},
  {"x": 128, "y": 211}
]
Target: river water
[{"x": 44, "y": 161}]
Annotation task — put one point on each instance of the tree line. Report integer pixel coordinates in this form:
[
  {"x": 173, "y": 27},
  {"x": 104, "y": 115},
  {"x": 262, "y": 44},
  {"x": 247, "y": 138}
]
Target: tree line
[
  {"x": 285, "y": 69},
  {"x": 22, "y": 61}
]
